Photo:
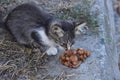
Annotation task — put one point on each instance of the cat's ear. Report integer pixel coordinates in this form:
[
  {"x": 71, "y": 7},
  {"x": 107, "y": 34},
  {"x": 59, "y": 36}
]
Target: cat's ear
[
  {"x": 57, "y": 30},
  {"x": 80, "y": 29}
]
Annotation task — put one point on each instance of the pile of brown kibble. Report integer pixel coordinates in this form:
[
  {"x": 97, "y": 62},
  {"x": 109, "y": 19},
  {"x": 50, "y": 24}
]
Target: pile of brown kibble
[
  {"x": 117, "y": 6},
  {"x": 73, "y": 58}
]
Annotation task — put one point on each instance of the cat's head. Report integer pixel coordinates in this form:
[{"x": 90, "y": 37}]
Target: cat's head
[{"x": 64, "y": 32}]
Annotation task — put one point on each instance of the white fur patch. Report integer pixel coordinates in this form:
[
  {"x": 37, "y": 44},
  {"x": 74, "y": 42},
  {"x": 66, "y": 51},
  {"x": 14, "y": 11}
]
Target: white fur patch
[
  {"x": 52, "y": 50},
  {"x": 44, "y": 37}
]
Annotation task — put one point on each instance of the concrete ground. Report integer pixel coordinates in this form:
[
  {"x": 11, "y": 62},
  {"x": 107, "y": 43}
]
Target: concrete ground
[{"x": 102, "y": 63}]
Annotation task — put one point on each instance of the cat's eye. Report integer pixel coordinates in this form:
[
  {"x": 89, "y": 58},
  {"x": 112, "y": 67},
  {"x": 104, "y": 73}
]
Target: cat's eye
[
  {"x": 62, "y": 44},
  {"x": 55, "y": 28}
]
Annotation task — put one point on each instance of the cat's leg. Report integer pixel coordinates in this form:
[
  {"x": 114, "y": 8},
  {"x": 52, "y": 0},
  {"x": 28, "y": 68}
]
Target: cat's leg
[
  {"x": 47, "y": 45},
  {"x": 26, "y": 40}
]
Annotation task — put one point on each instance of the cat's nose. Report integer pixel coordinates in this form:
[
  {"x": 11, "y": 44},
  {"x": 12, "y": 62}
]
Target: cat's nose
[{"x": 68, "y": 46}]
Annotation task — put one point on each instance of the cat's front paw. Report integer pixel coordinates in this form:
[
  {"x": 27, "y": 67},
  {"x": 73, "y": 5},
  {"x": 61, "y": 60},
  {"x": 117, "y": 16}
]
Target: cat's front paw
[{"x": 52, "y": 51}]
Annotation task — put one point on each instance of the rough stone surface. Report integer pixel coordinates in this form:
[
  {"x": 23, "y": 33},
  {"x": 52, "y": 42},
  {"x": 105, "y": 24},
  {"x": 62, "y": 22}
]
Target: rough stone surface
[{"x": 102, "y": 63}]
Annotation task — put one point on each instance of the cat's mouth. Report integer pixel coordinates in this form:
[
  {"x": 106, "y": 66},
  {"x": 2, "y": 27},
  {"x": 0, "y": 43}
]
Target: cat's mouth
[{"x": 69, "y": 44}]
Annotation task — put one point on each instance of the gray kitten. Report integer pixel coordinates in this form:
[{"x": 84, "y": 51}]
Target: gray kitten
[{"x": 32, "y": 26}]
